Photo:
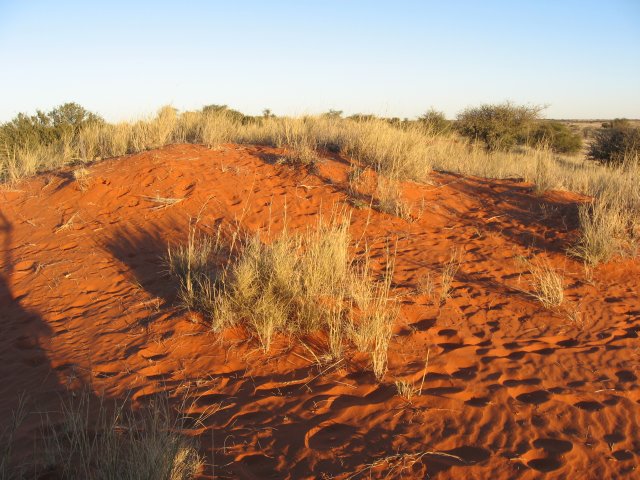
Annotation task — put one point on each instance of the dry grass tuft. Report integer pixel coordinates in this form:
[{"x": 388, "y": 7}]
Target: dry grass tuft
[
  {"x": 192, "y": 265},
  {"x": 547, "y": 283},
  {"x": 295, "y": 284},
  {"x": 406, "y": 389},
  {"x": 448, "y": 274},
  {"x": 607, "y": 228},
  {"x": 81, "y": 176},
  {"x": 426, "y": 285},
  {"x": 389, "y": 194}
]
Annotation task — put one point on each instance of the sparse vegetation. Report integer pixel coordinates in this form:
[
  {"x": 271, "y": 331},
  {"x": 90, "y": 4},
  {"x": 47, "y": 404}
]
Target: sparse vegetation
[{"x": 426, "y": 285}]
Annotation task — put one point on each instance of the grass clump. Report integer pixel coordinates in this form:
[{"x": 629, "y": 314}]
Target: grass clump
[
  {"x": 96, "y": 442},
  {"x": 547, "y": 283},
  {"x": 389, "y": 194},
  {"x": 604, "y": 231},
  {"x": 295, "y": 284},
  {"x": 192, "y": 266},
  {"x": 372, "y": 317},
  {"x": 447, "y": 276}
]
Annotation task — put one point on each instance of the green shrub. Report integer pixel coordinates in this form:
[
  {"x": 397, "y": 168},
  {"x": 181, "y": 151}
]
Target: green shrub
[
  {"x": 435, "y": 121},
  {"x": 499, "y": 126},
  {"x": 32, "y": 131},
  {"x": 558, "y": 136},
  {"x": 614, "y": 145}
]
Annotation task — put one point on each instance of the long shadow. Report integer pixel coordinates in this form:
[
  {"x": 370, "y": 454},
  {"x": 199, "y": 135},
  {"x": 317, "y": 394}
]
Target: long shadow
[
  {"x": 143, "y": 251},
  {"x": 25, "y": 368}
]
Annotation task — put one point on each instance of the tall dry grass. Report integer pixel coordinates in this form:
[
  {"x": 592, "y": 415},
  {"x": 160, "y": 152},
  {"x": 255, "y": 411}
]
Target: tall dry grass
[
  {"x": 88, "y": 438},
  {"x": 120, "y": 444}
]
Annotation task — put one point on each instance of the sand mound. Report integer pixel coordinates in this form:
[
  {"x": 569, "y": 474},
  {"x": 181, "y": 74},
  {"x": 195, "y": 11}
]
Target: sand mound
[{"x": 512, "y": 389}]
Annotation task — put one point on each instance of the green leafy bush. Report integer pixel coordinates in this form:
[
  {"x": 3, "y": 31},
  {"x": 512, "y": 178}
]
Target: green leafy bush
[
  {"x": 500, "y": 126},
  {"x": 61, "y": 123},
  {"x": 614, "y": 145},
  {"x": 558, "y": 136}
]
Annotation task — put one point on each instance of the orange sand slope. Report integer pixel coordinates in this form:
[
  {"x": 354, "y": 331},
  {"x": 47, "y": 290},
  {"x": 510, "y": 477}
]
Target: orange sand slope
[{"x": 513, "y": 390}]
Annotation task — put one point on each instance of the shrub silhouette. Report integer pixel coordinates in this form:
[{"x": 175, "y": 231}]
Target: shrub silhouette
[
  {"x": 499, "y": 126},
  {"x": 616, "y": 144}
]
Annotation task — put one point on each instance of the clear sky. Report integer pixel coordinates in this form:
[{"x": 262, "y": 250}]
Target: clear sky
[{"x": 124, "y": 59}]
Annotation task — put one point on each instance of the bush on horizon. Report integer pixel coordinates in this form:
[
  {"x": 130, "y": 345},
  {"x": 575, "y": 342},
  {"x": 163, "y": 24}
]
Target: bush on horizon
[
  {"x": 557, "y": 136},
  {"x": 499, "y": 126},
  {"x": 59, "y": 125}
]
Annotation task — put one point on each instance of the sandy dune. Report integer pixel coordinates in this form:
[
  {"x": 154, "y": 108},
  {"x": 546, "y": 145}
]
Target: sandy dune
[{"x": 513, "y": 390}]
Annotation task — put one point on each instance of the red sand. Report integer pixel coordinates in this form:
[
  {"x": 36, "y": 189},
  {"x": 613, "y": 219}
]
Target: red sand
[{"x": 513, "y": 390}]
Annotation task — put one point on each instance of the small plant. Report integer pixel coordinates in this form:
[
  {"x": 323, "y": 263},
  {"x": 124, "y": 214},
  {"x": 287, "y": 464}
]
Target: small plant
[
  {"x": 547, "y": 283},
  {"x": 81, "y": 176},
  {"x": 406, "y": 389},
  {"x": 449, "y": 271},
  {"x": 426, "y": 285}
]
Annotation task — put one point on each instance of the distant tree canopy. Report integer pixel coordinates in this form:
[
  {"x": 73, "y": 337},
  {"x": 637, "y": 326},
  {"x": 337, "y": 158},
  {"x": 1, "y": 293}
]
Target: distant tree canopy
[{"x": 63, "y": 122}]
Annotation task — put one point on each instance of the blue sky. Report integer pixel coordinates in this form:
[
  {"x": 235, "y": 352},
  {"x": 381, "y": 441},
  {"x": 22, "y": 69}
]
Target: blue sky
[{"x": 394, "y": 58}]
